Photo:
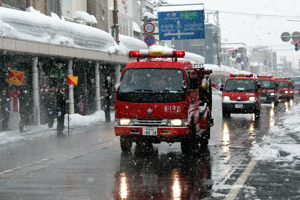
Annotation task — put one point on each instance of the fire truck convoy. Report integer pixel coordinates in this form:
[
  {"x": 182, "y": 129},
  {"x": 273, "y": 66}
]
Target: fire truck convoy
[{"x": 163, "y": 99}]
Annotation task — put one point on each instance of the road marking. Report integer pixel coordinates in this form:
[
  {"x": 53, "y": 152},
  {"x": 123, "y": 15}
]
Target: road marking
[
  {"x": 241, "y": 180},
  {"x": 40, "y": 164}
]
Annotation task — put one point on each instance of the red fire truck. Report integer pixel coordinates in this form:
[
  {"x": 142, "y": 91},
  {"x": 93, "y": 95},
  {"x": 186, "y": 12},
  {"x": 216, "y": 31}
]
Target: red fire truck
[
  {"x": 285, "y": 89},
  {"x": 241, "y": 94},
  {"x": 163, "y": 99},
  {"x": 269, "y": 89}
]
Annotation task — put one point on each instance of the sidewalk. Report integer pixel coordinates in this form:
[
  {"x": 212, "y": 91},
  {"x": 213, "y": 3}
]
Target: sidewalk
[{"x": 76, "y": 121}]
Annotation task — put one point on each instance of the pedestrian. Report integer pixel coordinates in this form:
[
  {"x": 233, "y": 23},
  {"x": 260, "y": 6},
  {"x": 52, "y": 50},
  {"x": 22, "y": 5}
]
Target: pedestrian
[
  {"x": 61, "y": 104},
  {"x": 81, "y": 106},
  {"x": 5, "y": 109},
  {"x": 106, "y": 103},
  {"x": 51, "y": 108},
  {"x": 24, "y": 107},
  {"x": 43, "y": 106}
]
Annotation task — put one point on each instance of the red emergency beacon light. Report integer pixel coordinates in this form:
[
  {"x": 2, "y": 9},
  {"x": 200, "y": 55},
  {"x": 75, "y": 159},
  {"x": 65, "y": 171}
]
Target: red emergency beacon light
[
  {"x": 264, "y": 76},
  {"x": 241, "y": 75},
  {"x": 156, "y": 54}
]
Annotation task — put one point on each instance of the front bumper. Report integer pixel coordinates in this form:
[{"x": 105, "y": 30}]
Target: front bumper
[
  {"x": 267, "y": 98},
  {"x": 167, "y": 134},
  {"x": 239, "y": 106}
]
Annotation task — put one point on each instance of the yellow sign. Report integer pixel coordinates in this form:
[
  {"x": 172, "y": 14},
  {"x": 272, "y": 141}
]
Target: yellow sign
[
  {"x": 15, "y": 77},
  {"x": 156, "y": 53},
  {"x": 72, "y": 80}
]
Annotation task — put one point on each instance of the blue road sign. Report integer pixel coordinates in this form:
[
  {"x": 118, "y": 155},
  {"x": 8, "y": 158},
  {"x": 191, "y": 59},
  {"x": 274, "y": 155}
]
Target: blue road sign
[
  {"x": 238, "y": 60},
  {"x": 149, "y": 40},
  {"x": 181, "y": 25}
]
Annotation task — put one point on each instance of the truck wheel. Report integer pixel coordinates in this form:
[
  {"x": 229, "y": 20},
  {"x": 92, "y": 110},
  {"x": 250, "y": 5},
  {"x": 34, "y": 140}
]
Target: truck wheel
[
  {"x": 225, "y": 114},
  {"x": 126, "y": 143},
  {"x": 276, "y": 103},
  {"x": 185, "y": 146},
  {"x": 189, "y": 144},
  {"x": 205, "y": 136}
]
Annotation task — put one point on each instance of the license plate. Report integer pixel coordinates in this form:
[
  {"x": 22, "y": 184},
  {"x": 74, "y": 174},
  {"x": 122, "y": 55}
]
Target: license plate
[
  {"x": 238, "y": 105},
  {"x": 150, "y": 131},
  {"x": 263, "y": 98}
]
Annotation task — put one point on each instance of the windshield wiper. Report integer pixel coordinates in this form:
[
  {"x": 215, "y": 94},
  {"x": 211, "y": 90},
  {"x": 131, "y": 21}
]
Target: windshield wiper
[{"x": 142, "y": 90}]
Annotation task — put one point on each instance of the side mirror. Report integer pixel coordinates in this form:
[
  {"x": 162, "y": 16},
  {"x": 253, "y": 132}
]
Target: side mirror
[
  {"x": 184, "y": 88},
  {"x": 194, "y": 83},
  {"x": 258, "y": 86},
  {"x": 222, "y": 87}
]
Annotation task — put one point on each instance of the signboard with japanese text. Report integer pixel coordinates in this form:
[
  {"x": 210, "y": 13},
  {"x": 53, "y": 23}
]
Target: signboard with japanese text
[{"x": 181, "y": 25}]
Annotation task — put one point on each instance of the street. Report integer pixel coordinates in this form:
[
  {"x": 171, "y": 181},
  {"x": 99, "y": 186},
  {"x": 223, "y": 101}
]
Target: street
[{"x": 87, "y": 163}]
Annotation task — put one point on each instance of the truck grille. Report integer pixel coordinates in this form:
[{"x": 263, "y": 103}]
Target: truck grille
[{"x": 150, "y": 122}]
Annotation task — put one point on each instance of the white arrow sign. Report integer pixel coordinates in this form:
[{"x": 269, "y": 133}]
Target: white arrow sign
[{"x": 178, "y": 34}]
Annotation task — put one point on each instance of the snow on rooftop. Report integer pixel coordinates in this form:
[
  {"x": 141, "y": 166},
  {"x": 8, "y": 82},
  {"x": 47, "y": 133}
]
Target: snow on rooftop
[{"x": 149, "y": 15}]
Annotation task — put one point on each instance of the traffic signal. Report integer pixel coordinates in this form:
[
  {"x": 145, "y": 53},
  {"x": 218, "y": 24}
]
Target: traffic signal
[
  {"x": 232, "y": 53},
  {"x": 296, "y": 45}
]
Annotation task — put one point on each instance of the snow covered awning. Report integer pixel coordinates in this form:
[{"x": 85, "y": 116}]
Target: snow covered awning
[
  {"x": 136, "y": 27},
  {"x": 85, "y": 18}
]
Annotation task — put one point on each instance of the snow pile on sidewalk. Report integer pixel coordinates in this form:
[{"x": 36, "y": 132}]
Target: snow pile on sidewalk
[
  {"x": 280, "y": 144},
  {"x": 76, "y": 121}
]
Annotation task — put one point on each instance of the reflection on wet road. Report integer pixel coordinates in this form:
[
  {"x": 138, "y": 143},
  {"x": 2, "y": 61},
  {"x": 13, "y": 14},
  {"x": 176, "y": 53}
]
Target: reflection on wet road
[{"x": 88, "y": 164}]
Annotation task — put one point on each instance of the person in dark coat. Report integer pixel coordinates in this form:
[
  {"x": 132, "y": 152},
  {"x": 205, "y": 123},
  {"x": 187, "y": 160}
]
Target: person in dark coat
[
  {"x": 61, "y": 104},
  {"x": 24, "y": 108},
  {"x": 5, "y": 109},
  {"x": 51, "y": 108},
  {"x": 106, "y": 104}
]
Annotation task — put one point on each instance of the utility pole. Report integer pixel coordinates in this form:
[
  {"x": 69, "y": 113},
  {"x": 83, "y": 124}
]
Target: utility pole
[{"x": 116, "y": 23}]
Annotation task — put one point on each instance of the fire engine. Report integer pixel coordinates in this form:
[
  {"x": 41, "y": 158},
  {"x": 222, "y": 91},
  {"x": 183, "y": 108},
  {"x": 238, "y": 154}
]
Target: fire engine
[
  {"x": 241, "y": 94},
  {"x": 163, "y": 98},
  {"x": 269, "y": 89},
  {"x": 286, "y": 90}
]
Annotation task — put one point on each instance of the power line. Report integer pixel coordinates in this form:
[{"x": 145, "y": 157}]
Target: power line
[{"x": 253, "y": 14}]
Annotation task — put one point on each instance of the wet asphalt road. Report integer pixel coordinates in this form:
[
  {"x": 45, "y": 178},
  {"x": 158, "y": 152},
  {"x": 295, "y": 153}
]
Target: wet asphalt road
[{"x": 88, "y": 164}]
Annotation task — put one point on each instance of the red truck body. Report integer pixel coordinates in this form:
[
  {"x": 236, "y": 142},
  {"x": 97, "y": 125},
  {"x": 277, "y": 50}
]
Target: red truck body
[{"x": 155, "y": 103}]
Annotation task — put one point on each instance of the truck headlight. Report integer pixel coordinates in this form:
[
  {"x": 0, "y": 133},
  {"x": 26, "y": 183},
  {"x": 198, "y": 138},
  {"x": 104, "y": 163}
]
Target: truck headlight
[
  {"x": 252, "y": 98},
  {"x": 272, "y": 93},
  {"x": 125, "y": 122},
  {"x": 286, "y": 92},
  {"x": 178, "y": 122},
  {"x": 226, "y": 98}
]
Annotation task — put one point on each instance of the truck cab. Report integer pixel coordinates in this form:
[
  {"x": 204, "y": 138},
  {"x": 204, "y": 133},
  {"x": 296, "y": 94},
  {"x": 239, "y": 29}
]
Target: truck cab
[
  {"x": 161, "y": 99},
  {"x": 284, "y": 88},
  {"x": 269, "y": 89},
  {"x": 241, "y": 94}
]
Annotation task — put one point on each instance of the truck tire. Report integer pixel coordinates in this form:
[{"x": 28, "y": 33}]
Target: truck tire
[
  {"x": 190, "y": 143},
  {"x": 126, "y": 143},
  {"x": 225, "y": 114},
  {"x": 276, "y": 103}
]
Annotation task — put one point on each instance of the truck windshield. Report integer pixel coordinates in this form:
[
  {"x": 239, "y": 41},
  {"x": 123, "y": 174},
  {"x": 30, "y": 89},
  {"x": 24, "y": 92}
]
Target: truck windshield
[
  {"x": 267, "y": 84},
  {"x": 152, "y": 85},
  {"x": 283, "y": 84},
  {"x": 240, "y": 85}
]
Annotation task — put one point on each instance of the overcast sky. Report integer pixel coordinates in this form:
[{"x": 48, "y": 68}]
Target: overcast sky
[{"x": 257, "y": 22}]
